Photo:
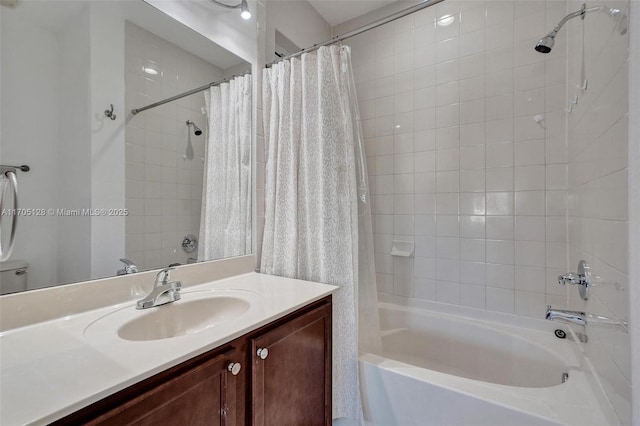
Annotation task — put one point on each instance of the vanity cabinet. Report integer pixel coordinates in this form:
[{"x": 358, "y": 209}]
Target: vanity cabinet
[
  {"x": 279, "y": 374},
  {"x": 201, "y": 391},
  {"x": 291, "y": 372}
]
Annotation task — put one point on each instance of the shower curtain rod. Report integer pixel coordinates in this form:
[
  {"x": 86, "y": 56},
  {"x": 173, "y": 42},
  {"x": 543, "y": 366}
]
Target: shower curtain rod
[
  {"x": 375, "y": 24},
  {"x": 190, "y": 92}
]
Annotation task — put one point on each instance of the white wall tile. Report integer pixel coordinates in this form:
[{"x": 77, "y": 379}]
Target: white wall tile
[
  {"x": 472, "y": 204},
  {"x": 472, "y": 272},
  {"x": 500, "y": 203},
  {"x": 530, "y": 304},
  {"x": 499, "y": 154},
  {"x": 531, "y": 203},
  {"x": 472, "y": 295},
  {"x": 472, "y": 180},
  {"x": 448, "y": 292},
  {"x": 499, "y": 179},
  {"x": 530, "y": 278},
  {"x": 458, "y": 162},
  {"x": 530, "y": 228},
  {"x": 500, "y": 299},
  {"x": 499, "y": 251},
  {"x": 472, "y": 226},
  {"x": 500, "y": 227}
]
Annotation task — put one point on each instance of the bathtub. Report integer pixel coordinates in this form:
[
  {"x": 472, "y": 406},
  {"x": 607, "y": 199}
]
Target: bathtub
[{"x": 448, "y": 365}]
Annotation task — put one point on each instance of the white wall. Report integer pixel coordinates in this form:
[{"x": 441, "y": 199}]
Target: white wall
[
  {"x": 598, "y": 128},
  {"x": 107, "y": 142},
  {"x": 457, "y": 162},
  {"x": 29, "y": 129},
  {"x": 74, "y": 151},
  {"x": 56, "y": 124},
  {"x": 298, "y": 21}
]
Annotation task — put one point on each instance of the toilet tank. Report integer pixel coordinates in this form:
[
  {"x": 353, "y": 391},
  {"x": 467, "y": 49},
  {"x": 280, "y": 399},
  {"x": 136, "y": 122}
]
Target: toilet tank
[{"x": 13, "y": 276}]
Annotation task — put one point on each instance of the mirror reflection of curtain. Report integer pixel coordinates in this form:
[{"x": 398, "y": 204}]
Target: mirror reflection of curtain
[{"x": 225, "y": 219}]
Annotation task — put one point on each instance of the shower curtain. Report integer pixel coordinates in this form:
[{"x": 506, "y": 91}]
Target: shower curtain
[
  {"x": 317, "y": 207},
  {"x": 225, "y": 216}
]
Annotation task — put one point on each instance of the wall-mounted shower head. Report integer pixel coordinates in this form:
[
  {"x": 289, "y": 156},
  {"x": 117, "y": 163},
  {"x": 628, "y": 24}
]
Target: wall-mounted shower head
[
  {"x": 196, "y": 129},
  {"x": 545, "y": 44}
]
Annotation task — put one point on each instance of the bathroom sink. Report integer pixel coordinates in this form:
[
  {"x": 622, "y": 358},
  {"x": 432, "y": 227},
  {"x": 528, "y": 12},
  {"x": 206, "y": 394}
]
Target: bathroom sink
[
  {"x": 194, "y": 313},
  {"x": 178, "y": 319}
]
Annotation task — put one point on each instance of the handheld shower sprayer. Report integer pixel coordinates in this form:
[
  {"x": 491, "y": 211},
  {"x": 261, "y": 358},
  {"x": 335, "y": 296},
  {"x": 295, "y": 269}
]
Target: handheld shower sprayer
[
  {"x": 196, "y": 129},
  {"x": 545, "y": 44}
]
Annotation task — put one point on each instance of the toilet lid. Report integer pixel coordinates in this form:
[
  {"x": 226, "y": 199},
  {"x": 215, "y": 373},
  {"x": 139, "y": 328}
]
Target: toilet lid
[{"x": 11, "y": 265}]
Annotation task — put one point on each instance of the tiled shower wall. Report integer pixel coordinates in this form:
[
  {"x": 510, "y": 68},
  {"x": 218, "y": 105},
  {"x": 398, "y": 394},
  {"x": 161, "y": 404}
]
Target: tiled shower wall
[
  {"x": 597, "y": 211},
  {"x": 465, "y": 141},
  {"x": 164, "y": 159}
]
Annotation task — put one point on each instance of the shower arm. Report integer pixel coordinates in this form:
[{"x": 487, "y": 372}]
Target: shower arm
[
  {"x": 582, "y": 12},
  {"x": 616, "y": 14}
]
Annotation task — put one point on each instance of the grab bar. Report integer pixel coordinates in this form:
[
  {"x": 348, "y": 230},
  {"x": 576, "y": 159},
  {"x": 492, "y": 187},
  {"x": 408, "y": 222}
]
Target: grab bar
[{"x": 10, "y": 173}]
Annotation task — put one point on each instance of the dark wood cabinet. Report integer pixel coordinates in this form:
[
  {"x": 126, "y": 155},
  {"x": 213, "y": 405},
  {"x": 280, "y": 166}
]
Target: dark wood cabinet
[
  {"x": 289, "y": 386},
  {"x": 289, "y": 381},
  {"x": 203, "y": 395}
]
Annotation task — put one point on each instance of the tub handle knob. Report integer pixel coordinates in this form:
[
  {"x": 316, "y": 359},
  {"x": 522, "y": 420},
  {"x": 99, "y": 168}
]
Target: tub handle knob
[
  {"x": 582, "y": 279},
  {"x": 263, "y": 353}
]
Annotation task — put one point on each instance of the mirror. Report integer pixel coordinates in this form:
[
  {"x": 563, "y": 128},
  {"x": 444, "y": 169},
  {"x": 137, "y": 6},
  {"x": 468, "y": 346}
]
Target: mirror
[{"x": 167, "y": 186}]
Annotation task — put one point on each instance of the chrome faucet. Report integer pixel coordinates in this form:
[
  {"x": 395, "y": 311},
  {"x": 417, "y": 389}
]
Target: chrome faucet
[
  {"x": 573, "y": 317},
  {"x": 582, "y": 279},
  {"x": 129, "y": 267},
  {"x": 163, "y": 291}
]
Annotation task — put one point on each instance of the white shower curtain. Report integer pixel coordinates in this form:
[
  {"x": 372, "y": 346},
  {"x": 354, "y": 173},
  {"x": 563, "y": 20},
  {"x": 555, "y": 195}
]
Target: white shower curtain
[
  {"x": 317, "y": 211},
  {"x": 225, "y": 217}
]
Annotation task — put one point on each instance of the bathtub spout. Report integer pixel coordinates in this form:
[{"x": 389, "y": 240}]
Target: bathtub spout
[{"x": 573, "y": 317}]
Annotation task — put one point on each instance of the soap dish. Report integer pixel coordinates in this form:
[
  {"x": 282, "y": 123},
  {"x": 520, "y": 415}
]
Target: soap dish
[{"x": 402, "y": 248}]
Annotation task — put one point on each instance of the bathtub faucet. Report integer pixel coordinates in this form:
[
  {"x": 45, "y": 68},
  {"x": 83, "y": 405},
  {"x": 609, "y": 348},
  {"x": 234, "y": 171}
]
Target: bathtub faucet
[{"x": 573, "y": 317}]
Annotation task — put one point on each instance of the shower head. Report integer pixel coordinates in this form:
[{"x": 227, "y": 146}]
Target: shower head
[
  {"x": 546, "y": 43},
  {"x": 196, "y": 129}
]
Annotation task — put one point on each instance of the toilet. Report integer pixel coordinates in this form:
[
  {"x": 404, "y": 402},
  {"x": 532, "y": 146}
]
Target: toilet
[{"x": 13, "y": 276}]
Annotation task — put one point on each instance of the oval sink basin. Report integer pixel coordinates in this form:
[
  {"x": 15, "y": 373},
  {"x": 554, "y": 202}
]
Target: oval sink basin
[
  {"x": 197, "y": 311},
  {"x": 177, "y": 319}
]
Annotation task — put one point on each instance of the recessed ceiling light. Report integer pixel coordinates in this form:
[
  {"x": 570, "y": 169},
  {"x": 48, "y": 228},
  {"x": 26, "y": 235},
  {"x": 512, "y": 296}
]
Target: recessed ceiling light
[{"x": 446, "y": 20}]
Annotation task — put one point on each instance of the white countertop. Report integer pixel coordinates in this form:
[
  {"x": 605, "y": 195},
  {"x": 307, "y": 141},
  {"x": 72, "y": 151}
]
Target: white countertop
[{"x": 51, "y": 369}]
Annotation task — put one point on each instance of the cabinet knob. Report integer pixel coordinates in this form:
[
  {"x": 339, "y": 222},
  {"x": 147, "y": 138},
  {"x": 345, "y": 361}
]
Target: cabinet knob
[
  {"x": 234, "y": 368},
  {"x": 263, "y": 353}
]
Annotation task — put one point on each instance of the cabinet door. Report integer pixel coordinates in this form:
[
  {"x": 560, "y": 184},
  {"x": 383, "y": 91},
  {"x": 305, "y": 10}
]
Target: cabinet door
[
  {"x": 292, "y": 384},
  {"x": 202, "y": 395}
]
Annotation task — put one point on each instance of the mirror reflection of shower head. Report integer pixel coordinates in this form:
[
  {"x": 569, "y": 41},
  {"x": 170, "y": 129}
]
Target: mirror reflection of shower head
[
  {"x": 196, "y": 129},
  {"x": 545, "y": 44}
]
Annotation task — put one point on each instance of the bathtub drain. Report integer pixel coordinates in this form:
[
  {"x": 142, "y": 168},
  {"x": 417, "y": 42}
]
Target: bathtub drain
[{"x": 560, "y": 334}]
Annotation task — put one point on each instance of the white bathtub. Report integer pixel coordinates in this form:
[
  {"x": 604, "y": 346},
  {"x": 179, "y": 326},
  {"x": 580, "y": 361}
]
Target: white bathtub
[{"x": 476, "y": 368}]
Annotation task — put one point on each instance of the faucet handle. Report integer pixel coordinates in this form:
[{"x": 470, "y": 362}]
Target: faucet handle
[
  {"x": 129, "y": 267},
  {"x": 571, "y": 278},
  {"x": 162, "y": 278},
  {"x": 582, "y": 278}
]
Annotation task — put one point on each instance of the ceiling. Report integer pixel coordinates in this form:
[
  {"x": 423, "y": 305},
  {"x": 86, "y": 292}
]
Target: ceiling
[{"x": 336, "y": 12}]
